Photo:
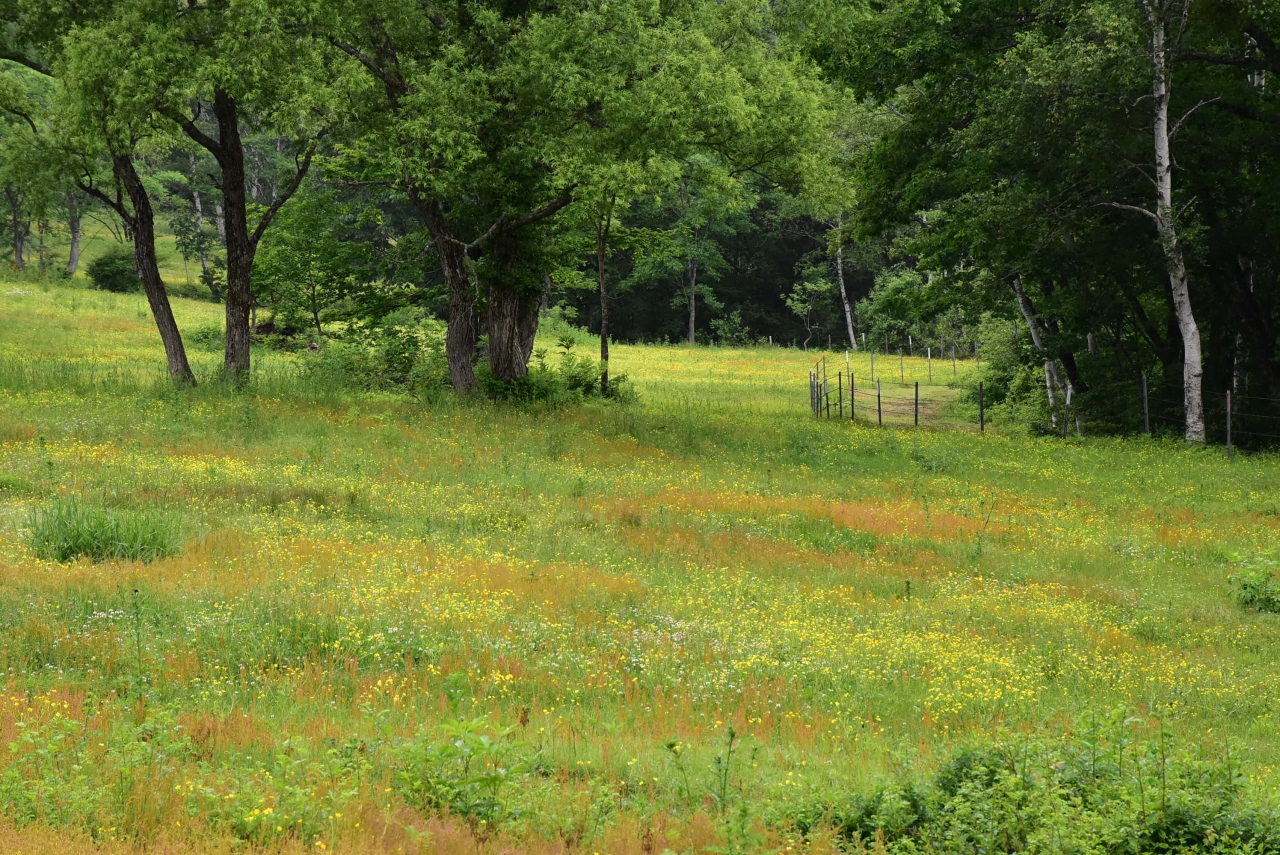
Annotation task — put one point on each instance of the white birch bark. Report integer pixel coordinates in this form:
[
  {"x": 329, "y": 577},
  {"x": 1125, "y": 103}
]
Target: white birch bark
[
  {"x": 1166, "y": 218},
  {"x": 844, "y": 295},
  {"x": 1051, "y": 374}
]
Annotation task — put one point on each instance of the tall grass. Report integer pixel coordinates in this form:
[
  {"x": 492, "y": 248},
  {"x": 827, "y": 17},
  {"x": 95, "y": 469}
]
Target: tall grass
[{"x": 69, "y": 529}]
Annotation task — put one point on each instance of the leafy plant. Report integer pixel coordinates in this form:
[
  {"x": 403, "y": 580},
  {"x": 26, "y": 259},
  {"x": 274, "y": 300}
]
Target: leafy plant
[
  {"x": 731, "y": 331},
  {"x": 1257, "y": 590},
  {"x": 207, "y": 337},
  {"x": 70, "y": 529},
  {"x": 463, "y": 771},
  {"x": 115, "y": 270}
]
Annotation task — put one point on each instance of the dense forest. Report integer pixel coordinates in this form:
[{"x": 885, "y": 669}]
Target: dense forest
[{"x": 1082, "y": 190}]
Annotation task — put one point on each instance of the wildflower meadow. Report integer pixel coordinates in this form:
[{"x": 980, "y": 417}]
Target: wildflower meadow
[{"x": 297, "y": 616}]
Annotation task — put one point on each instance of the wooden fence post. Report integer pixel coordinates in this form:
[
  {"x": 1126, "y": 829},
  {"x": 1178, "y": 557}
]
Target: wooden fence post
[
  {"x": 1230, "y": 451},
  {"x": 929, "y": 356},
  {"x": 879, "y": 409},
  {"x": 840, "y": 392},
  {"x": 1146, "y": 412},
  {"x": 982, "y": 409},
  {"x": 917, "y": 403}
]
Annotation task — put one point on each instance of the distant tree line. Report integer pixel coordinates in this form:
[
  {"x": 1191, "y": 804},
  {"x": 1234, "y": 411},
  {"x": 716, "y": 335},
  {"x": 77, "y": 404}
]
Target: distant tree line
[{"x": 1083, "y": 187}]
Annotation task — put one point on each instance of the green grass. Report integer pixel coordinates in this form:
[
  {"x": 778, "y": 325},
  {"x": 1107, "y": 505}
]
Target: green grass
[
  {"x": 182, "y": 279},
  {"x": 602, "y": 592},
  {"x": 69, "y": 529}
]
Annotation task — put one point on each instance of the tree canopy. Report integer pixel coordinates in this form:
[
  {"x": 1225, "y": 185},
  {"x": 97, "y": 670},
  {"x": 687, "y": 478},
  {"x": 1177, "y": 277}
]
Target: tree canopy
[{"x": 1091, "y": 176}]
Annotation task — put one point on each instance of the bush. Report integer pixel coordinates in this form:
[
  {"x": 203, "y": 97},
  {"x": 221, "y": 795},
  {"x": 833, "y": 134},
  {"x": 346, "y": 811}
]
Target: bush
[
  {"x": 464, "y": 772},
  {"x": 114, "y": 270},
  {"x": 211, "y": 338},
  {"x": 1116, "y": 790},
  {"x": 71, "y": 529},
  {"x": 1257, "y": 590}
]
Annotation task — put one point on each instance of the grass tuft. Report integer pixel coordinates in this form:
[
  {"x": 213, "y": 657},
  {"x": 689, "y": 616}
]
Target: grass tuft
[{"x": 70, "y": 529}]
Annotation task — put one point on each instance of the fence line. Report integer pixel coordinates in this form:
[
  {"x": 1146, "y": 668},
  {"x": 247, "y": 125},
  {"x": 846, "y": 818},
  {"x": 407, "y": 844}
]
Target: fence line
[
  {"x": 1227, "y": 414},
  {"x": 841, "y": 397}
]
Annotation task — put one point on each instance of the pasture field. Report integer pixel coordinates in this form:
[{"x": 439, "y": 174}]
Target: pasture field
[{"x": 700, "y": 622}]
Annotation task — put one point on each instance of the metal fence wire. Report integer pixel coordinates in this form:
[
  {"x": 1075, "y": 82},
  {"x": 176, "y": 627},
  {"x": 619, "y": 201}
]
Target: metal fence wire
[
  {"x": 1231, "y": 418},
  {"x": 914, "y": 403}
]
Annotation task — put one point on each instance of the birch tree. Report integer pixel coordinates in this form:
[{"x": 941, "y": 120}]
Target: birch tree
[{"x": 1166, "y": 21}]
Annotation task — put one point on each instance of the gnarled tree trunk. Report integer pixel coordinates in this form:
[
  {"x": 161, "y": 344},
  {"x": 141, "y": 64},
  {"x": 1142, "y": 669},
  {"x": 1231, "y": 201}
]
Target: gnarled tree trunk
[
  {"x": 461, "y": 337},
  {"x": 141, "y": 225},
  {"x": 513, "y": 323},
  {"x": 233, "y": 222},
  {"x": 602, "y": 280},
  {"x": 21, "y": 228}
]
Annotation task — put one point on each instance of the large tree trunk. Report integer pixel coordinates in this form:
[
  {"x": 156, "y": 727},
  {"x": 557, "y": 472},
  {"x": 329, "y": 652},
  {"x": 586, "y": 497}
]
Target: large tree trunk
[
  {"x": 142, "y": 227},
  {"x": 1166, "y": 225},
  {"x": 230, "y": 155},
  {"x": 73, "y": 226},
  {"x": 513, "y": 323},
  {"x": 461, "y": 337}
]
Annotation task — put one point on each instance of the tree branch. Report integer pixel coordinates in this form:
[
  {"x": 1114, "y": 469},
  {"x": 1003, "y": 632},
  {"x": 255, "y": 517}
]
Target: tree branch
[
  {"x": 1178, "y": 124},
  {"x": 503, "y": 224},
  {"x": 894, "y": 110},
  {"x": 26, "y": 62},
  {"x": 271, "y": 212},
  {"x": 1219, "y": 59},
  {"x": 114, "y": 204},
  {"x": 360, "y": 57},
  {"x": 192, "y": 130},
  {"x": 1136, "y": 209},
  {"x": 26, "y": 117}
]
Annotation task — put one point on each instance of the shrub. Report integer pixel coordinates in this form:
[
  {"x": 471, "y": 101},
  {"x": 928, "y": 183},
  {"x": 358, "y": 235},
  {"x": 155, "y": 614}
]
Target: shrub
[
  {"x": 70, "y": 529},
  {"x": 211, "y": 338},
  {"x": 114, "y": 270},
  {"x": 1257, "y": 590},
  {"x": 1114, "y": 790},
  {"x": 464, "y": 772}
]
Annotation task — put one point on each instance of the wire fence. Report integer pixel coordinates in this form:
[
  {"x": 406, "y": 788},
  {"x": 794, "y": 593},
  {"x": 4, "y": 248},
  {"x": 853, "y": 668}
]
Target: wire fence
[
  {"x": 883, "y": 401},
  {"x": 1231, "y": 418}
]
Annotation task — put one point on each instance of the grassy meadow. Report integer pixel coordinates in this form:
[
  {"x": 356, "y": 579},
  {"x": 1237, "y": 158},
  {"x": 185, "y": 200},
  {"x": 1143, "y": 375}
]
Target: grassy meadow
[{"x": 698, "y": 622}]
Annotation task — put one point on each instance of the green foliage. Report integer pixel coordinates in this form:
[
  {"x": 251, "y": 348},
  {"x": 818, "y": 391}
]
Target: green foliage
[
  {"x": 1257, "y": 590},
  {"x": 811, "y": 301},
  {"x": 304, "y": 267},
  {"x": 574, "y": 377},
  {"x": 1126, "y": 787},
  {"x": 211, "y": 338},
  {"x": 730, "y": 330},
  {"x": 115, "y": 270},
  {"x": 405, "y": 351},
  {"x": 464, "y": 768},
  {"x": 69, "y": 528}
]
